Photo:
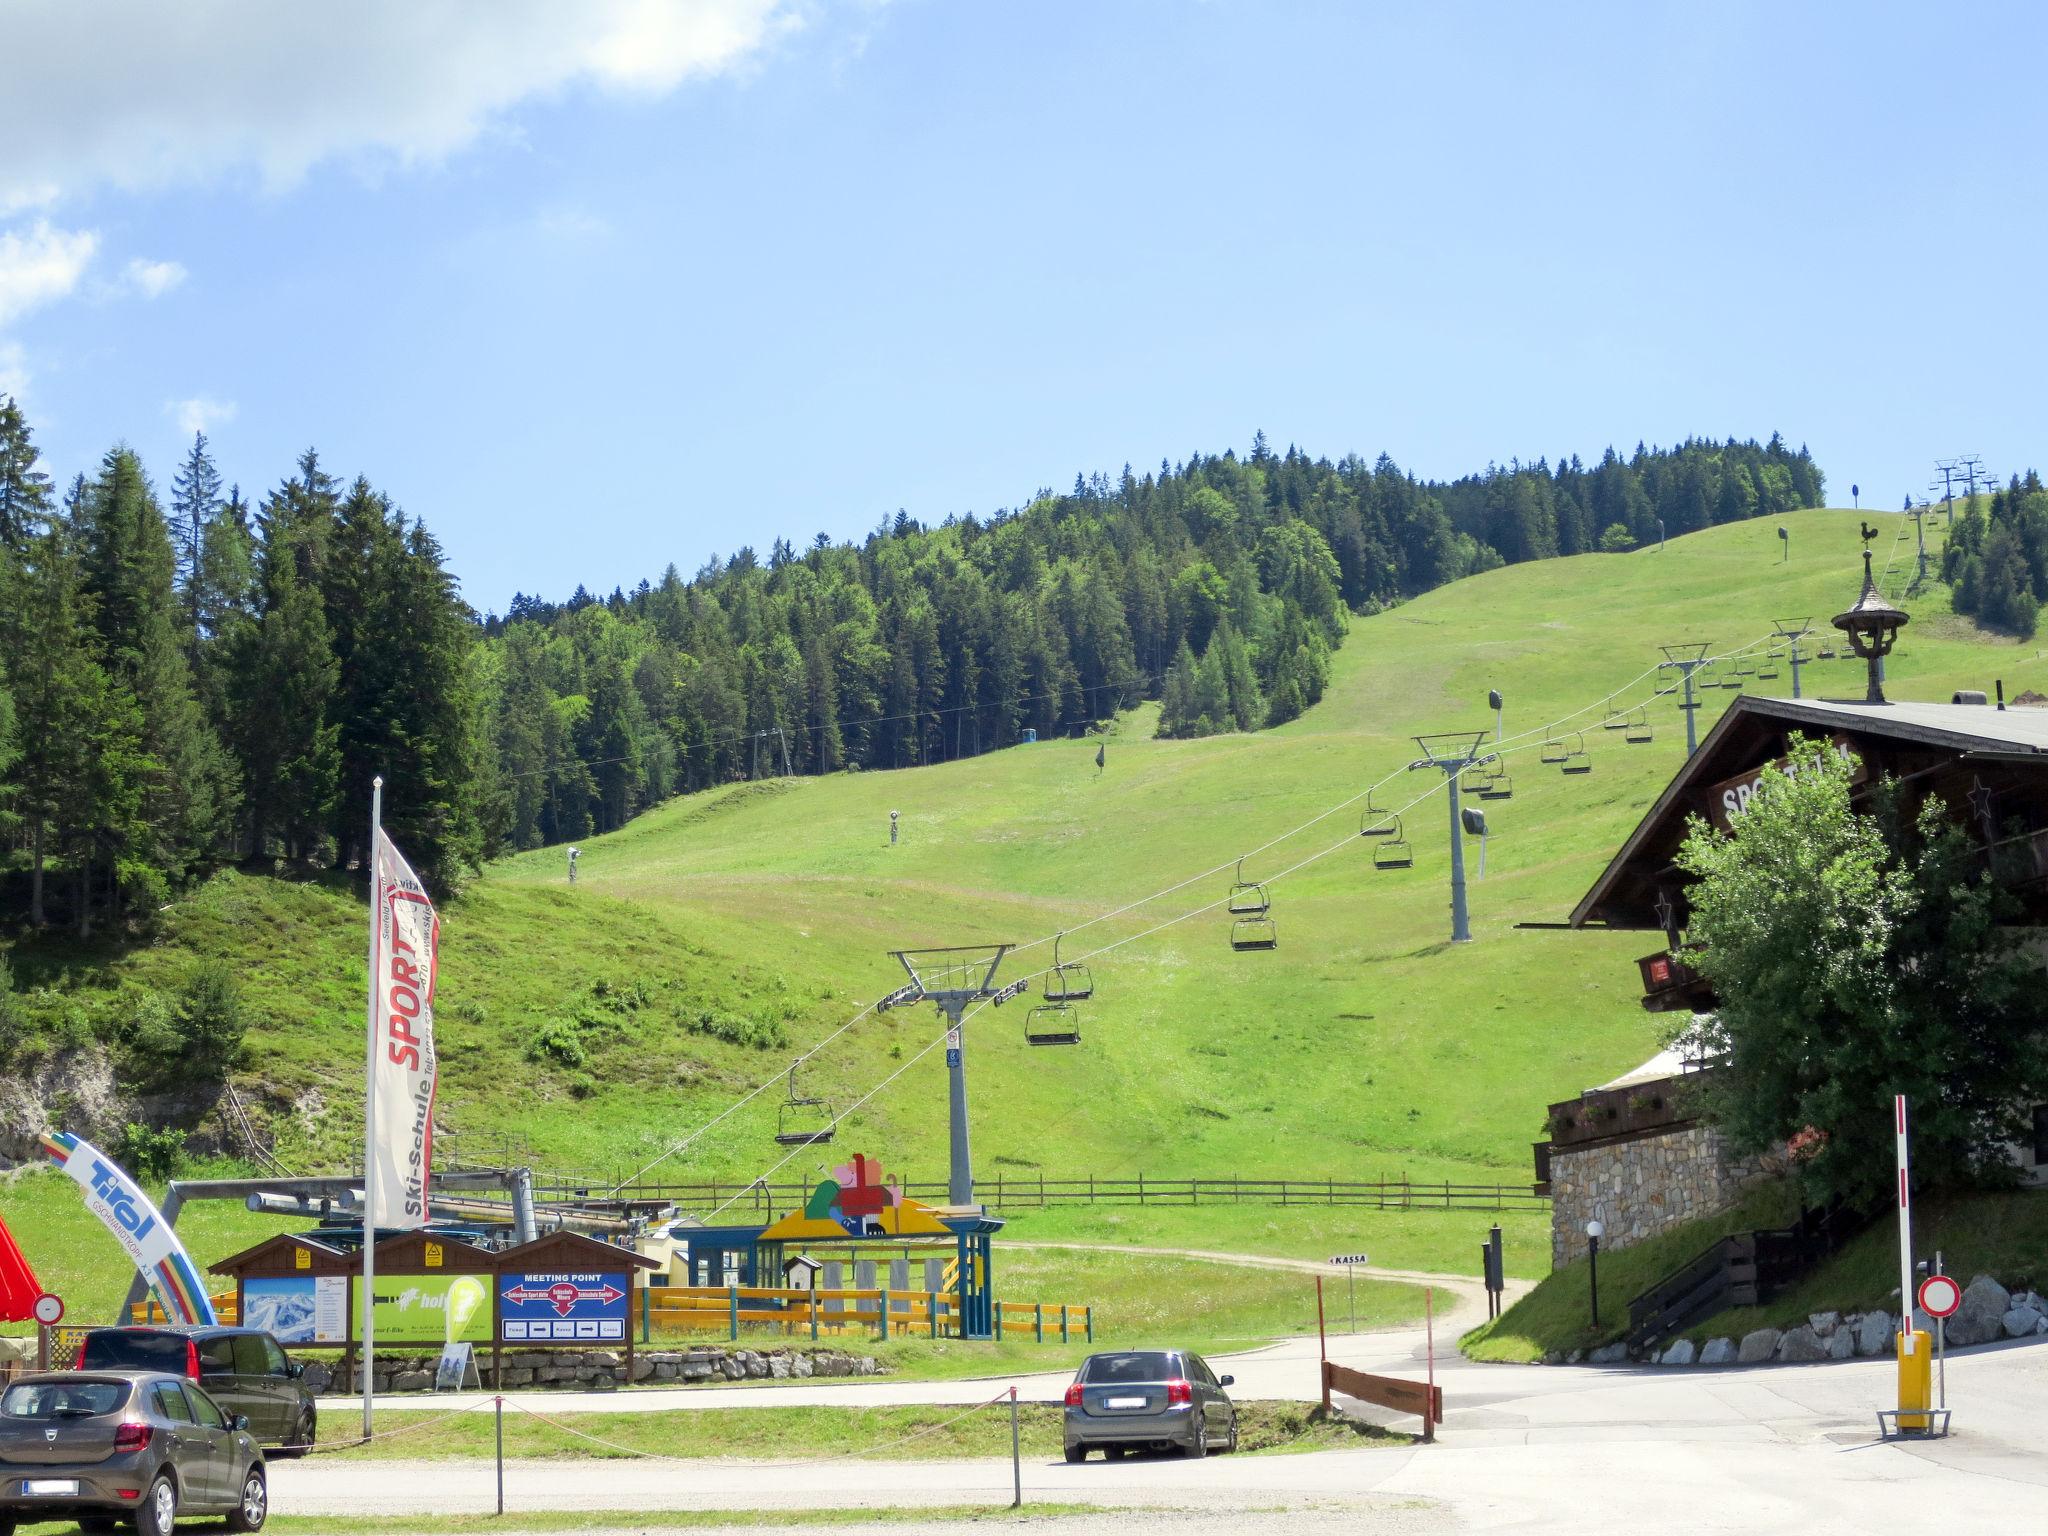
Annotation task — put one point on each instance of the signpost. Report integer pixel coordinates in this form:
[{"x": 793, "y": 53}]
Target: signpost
[
  {"x": 1940, "y": 1296},
  {"x": 1351, "y": 1281},
  {"x": 1915, "y": 1383},
  {"x": 49, "y": 1311}
]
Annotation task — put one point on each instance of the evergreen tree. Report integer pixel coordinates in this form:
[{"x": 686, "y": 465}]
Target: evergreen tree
[
  {"x": 195, "y": 500},
  {"x": 24, "y": 489}
]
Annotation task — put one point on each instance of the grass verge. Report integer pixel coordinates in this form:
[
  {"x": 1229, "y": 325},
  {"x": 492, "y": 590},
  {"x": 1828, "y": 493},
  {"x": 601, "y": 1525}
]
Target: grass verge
[{"x": 894, "y": 1433}]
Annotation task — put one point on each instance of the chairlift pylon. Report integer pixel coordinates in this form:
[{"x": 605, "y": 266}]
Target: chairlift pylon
[
  {"x": 1247, "y": 897},
  {"x": 1395, "y": 852},
  {"x": 796, "y": 1123},
  {"x": 1068, "y": 981}
]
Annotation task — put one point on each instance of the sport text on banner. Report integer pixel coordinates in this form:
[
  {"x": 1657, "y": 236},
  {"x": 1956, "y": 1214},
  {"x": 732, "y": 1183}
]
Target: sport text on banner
[{"x": 407, "y": 957}]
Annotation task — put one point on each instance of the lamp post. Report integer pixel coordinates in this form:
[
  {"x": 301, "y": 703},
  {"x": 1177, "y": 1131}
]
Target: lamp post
[
  {"x": 1594, "y": 1232},
  {"x": 1873, "y": 626}
]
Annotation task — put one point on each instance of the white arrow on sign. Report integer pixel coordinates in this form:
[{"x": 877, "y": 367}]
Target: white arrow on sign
[{"x": 1350, "y": 1258}]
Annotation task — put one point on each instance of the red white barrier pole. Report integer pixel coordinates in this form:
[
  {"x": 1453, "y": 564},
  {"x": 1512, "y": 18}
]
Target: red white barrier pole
[{"x": 1905, "y": 1220}]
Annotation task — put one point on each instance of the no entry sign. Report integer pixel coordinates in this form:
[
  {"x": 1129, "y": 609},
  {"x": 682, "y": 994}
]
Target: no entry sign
[{"x": 1940, "y": 1296}]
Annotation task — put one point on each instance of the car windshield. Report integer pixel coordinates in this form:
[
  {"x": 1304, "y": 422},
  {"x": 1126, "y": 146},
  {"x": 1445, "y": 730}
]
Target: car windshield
[
  {"x": 119, "y": 1349},
  {"x": 1146, "y": 1365},
  {"x": 63, "y": 1399}
]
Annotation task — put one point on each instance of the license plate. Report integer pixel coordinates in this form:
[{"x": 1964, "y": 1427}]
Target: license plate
[
  {"x": 35, "y": 1487},
  {"x": 1124, "y": 1402}
]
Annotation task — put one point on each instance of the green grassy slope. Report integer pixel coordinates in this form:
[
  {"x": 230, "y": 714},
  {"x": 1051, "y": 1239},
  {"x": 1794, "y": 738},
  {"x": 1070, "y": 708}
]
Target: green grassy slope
[{"x": 1363, "y": 1044}]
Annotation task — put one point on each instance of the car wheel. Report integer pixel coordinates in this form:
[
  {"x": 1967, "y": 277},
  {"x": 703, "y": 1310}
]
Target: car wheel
[
  {"x": 1198, "y": 1443},
  {"x": 97, "y": 1525},
  {"x": 1076, "y": 1454},
  {"x": 1230, "y": 1445},
  {"x": 301, "y": 1438},
  {"x": 6, "y": 1528},
  {"x": 158, "y": 1511},
  {"x": 253, "y": 1508}
]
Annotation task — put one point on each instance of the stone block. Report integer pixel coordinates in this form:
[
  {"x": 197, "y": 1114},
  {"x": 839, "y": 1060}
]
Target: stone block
[
  {"x": 1681, "y": 1352},
  {"x": 1798, "y": 1346},
  {"x": 800, "y": 1366},
  {"x": 778, "y": 1367},
  {"x": 1608, "y": 1354},
  {"x": 2021, "y": 1322},
  {"x": 412, "y": 1381},
  {"x": 1757, "y": 1347},
  {"x": 1717, "y": 1352},
  {"x": 1824, "y": 1324},
  {"x": 643, "y": 1368},
  {"x": 1874, "y": 1333},
  {"x": 1841, "y": 1344}
]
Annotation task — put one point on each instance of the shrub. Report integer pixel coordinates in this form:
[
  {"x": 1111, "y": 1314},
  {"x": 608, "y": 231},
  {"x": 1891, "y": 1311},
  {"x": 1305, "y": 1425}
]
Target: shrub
[
  {"x": 151, "y": 1156},
  {"x": 738, "y": 1029},
  {"x": 209, "y": 1016},
  {"x": 560, "y": 1042}
]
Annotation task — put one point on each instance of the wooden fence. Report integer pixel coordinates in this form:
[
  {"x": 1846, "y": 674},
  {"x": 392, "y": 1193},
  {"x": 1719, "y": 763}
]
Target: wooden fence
[{"x": 764, "y": 1200}]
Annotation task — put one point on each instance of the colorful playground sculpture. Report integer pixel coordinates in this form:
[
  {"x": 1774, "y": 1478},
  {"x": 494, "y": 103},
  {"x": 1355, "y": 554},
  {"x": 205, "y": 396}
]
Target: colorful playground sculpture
[{"x": 137, "y": 1225}]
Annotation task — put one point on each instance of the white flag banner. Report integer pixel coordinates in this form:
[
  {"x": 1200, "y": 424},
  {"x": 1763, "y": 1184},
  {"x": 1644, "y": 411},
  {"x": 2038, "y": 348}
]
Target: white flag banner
[{"x": 407, "y": 955}]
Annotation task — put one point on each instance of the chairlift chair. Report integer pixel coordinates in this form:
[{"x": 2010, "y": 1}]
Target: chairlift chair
[
  {"x": 1052, "y": 1023},
  {"x": 1578, "y": 760},
  {"x": 1615, "y": 719},
  {"x": 1247, "y": 897},
  {"x": 1500, "y": 786},
  {"x": 1553, "y": 751},
  {"x": 1767, "y": 672},
  {"x": 1374, "y": 821},
  {"x": 1068, "y": 981},
  {"x": 1254, "y": 933},
  {"x": 1638, "y": 730},
  {"x": 797, "y": 1122},
  {"x": 1395, "y": 852}
]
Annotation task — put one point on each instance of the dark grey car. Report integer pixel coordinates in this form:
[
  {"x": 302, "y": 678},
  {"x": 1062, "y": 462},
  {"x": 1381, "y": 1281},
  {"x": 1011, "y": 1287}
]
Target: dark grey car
[
  {"x": 101, "y": 1446},
  {"x": 1148, "y": 1399},
  {"x": 245, "y": 1370}
]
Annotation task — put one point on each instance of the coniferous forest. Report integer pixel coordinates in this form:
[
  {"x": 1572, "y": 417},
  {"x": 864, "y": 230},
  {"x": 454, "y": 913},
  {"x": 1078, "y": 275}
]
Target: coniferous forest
[
  {"x": 1996, "y": 561},
  {"x": 190, "y": 677}
]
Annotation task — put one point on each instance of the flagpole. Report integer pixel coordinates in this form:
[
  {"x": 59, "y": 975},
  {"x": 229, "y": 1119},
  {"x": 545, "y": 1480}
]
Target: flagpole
[{"x": 369, "y": 1328}]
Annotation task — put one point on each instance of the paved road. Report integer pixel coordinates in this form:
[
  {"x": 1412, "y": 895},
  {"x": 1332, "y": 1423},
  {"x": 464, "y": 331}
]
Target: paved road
[
  {"x": 1286, "y": 1370},
  {"x": 1602, "y": 1452}
]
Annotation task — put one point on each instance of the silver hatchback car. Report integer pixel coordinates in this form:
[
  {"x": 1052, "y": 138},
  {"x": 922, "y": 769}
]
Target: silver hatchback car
[{"x": 1148, "y": 1399}]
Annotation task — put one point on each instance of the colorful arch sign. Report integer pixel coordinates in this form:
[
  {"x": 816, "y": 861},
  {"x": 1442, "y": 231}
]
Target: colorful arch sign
[{"x": 137, "y": 1226}]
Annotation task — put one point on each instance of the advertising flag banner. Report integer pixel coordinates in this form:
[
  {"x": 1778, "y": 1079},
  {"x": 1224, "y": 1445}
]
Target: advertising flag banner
[
  {"x": 406, "y": 958},
  {"x": 137, "y": 1225}
]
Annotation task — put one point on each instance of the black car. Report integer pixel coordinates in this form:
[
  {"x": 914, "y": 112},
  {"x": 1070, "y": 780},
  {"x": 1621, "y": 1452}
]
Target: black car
[
  {"x": 245, "y": 1370},
  {"x": 102, "y": 1446}
]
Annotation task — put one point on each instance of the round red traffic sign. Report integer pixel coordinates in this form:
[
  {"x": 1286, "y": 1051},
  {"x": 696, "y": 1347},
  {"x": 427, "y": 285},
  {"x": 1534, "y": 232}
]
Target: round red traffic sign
[
  {"x": 49, "y": 1309},
  {"x": 1940, "y": 1296}
]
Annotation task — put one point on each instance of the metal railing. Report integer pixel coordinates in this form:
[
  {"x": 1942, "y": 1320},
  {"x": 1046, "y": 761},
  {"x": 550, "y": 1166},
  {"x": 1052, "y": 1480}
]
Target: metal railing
[
  {"x": 827, "y": 1313},
  {"x": 759, "y": 1198}
]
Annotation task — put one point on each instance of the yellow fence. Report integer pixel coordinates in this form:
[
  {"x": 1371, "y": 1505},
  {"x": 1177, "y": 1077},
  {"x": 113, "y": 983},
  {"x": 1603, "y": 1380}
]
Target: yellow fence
[
  {"x": 149, "y": 1312},
  {"x": 834, "y": 1313}
]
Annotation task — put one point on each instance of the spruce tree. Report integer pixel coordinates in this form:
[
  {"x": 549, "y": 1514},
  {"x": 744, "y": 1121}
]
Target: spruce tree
[
  {"x": 24, "y": 489},
  {"x": 195, "y": 499}
]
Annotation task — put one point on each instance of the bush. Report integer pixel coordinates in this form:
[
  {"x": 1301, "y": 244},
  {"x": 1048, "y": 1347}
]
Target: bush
[
  {"x": 1615, "y": 539},
  {"x": 738, "y": 1029},
  {"x": 560, "y": 1042},
  {"x": 209, "y": 1018},
  {"x": 151, "y": 1156}
]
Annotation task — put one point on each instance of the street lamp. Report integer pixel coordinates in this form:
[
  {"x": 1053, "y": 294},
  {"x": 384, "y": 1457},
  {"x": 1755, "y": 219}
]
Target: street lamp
[{"x": 1594, "y": 1232}]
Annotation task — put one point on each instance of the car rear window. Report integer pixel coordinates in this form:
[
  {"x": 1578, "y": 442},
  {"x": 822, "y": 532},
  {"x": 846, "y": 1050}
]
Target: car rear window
[
  {"x": 63, "y": 1399},
  {"x": 1145, "y": 1365},
  {"x": 119, "y": 1349}
]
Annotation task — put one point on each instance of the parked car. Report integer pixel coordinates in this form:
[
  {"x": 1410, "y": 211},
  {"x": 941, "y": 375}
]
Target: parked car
[
  {"x": 101, "y": 1446},
  {"x": 1148, "y": 1399},
  {"x": 245, "y": 1370}
]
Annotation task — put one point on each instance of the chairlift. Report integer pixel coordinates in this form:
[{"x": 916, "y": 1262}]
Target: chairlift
[
  {"x": 797, "y": 1123},
  {"x": 1615, "y": 719},
  {"x": 1052, "y": 1023},
  {"x": 1395, "y": 852},
  {"x": 1247, "y": 897},
  {"x": 1638, "y": 729},
  {"x": 1067, "y": 982},
  {"x": 1578, "y": 760},
  {"x": 1254, "y": 933},
  {"x": 1767, "y": 672},
  {"x": 1375, "y": 821},
  {"x": 1553, "y": 751},
  {"x": 1499, "y": 786}
]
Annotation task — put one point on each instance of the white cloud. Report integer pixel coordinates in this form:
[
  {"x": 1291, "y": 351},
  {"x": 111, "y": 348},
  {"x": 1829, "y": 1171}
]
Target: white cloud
[
  {"x": 153, "y": 279},
  {"x": 200, "y": 414},
  {"x": 112, "y": 99},
  {"x": 40, "y": 265},
  {"x": 13, "y": 371}
]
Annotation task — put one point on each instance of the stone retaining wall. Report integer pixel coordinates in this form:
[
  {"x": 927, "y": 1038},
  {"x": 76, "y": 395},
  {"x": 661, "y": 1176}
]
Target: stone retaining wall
[
  {"x": 572, "y": 1370},
  {"x": 1640, "y": 1188}
]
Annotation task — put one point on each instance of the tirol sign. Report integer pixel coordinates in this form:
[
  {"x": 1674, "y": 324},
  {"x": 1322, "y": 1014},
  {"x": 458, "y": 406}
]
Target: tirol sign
[{"x": 1730, "y": 798}]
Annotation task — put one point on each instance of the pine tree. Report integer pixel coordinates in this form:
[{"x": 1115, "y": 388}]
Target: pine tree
[
  {"x": 24, "y": 489},
  {"x": 195, "y": 499},
  {"x": 281, "y": 692}
]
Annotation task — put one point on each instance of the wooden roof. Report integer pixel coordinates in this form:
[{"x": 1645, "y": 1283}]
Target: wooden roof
[
  {"x": 572, "y": 1253},
  {"x": 285, "y": 1255}
]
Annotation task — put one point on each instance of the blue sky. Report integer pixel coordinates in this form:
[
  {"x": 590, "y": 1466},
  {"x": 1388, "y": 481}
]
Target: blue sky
[{"x": 593, "y": 288}]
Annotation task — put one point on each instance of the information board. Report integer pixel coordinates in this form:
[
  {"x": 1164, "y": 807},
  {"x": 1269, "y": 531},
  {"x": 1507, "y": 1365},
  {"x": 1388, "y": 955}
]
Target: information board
[{"x": 536, "y": 1308}]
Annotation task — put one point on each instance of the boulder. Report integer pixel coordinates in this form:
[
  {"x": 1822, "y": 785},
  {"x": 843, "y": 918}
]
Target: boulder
[
  {"x": 2021, "y": 1322},
  {"x": 1717, "y": 1352},
  {"x": 1874, "y": 1333},
  {"x": 1823, "y": 1324},
  {"x": 1981, "y": 1317},
  {"x": 1681, "y": 1352},
  {"x": 867, "y": 1365},
  {"x": 1799, "y": 1346},
  {"x": 1608, "y": 1354},
  {"x": 319, "y": 1377},
  {"x": 801, "y": 1366},
  {"x": 1841, "y": 1344},
  {"x": 778, "y": 1367},
  {"x": 412, "y": 1381},
  {"x": 1757, "y": 1347}
]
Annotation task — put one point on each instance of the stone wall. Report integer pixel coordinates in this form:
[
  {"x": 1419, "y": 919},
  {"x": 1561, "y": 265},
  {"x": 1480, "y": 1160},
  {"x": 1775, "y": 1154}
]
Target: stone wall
[
  {"x": 573, "y": 1369},
  {"x": 1641, "y": 1187}
]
